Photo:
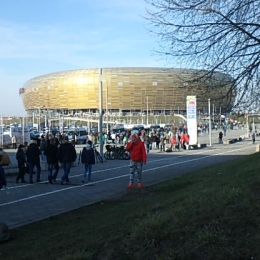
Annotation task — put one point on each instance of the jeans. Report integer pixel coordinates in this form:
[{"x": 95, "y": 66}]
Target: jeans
[
  {"x": 51, "y": 167},
  {"x": 162, "y": 147},
  {"x": 66, "y": 168},
  {"x": 88, "y": 171},
  {"x": 43, "y": 157},
  {"x": 147, "y": 148},
  {"x": 31, "y": 166}
]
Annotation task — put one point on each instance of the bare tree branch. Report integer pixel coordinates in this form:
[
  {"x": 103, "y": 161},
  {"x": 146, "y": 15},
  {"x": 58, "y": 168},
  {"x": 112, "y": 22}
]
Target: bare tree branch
[{"x": 216, "y": 36}]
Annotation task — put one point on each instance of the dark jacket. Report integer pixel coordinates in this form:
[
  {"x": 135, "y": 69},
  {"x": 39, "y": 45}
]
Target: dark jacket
[
  {"x": 33, "y": 153},
  {"x": 43, "y": 145},
  {"x": 88, "y": 156},
  {"x": 2, "y": 177},
  {"x": 51, "y": 152},
  {"x": 20, "y": 156},
  {"x": 67, "y": 153}
]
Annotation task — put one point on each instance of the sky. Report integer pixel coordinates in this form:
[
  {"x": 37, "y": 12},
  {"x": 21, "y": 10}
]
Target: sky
[{"x": 41, "y": 37}]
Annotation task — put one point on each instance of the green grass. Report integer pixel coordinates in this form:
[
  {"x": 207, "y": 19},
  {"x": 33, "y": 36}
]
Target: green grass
[{"x": 209, "y": 214}]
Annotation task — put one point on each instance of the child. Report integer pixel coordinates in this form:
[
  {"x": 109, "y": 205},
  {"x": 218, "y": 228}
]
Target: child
[{"x": 88, "y": 158}]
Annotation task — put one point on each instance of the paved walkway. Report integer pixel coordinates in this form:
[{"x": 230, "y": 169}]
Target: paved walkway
[
  {"x": 26, "y": 203},
  {"x": 202, "y": 139}
]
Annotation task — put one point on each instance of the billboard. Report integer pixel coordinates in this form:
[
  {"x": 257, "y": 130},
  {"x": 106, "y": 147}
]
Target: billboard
[{"x": 191, "y": 106}]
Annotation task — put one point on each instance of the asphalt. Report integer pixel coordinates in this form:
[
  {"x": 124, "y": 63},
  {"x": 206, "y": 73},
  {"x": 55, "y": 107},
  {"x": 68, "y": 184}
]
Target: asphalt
[{"x": 22, "y": 204}]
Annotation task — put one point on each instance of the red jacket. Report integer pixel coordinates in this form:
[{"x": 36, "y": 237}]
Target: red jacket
[{"x": 137, "y": 151}]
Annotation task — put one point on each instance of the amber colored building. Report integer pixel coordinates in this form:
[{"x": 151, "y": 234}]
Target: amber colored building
[{"x": 124, "y": 90}]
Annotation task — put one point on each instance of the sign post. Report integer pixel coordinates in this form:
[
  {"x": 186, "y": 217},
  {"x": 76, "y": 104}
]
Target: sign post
[{"x": 191, "y": 105}]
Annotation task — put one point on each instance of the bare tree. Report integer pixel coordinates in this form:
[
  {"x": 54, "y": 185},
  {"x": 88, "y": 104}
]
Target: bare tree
[{"x": 213, "y": 35}]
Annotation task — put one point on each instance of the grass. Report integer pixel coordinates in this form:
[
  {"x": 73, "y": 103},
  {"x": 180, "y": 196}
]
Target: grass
[{"x": 208, "y": 214}]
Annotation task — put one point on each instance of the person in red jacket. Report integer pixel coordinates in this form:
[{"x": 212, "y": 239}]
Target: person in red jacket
[{"x": 138, "y": 158}]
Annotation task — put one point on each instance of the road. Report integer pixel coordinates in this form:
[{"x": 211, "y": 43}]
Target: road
[{"x": 27, "y": 203}]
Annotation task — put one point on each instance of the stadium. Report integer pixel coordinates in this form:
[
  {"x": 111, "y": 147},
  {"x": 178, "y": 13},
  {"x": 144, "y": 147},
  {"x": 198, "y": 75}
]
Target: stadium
[{"x": 125, "y": 90}]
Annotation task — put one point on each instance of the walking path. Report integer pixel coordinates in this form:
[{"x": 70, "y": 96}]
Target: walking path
[{"x": 27, "y": 203}]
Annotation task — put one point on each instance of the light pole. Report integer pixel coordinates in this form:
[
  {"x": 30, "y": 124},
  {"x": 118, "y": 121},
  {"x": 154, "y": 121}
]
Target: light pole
[
  {"x": 39, "y": 122},
  {"x": 2, "y": 131},
  {"x": 147, "y": 111},
  {"x": 107, "y": 108},
  {"x": 247, "y": 126},
  {"x": 210, "y": 141},
  {"x": 253, "y": 124},
  {"x": 213, "y": 114},
  {"x": 33, "y": 118},
  {"x": 100, "y": 113}
]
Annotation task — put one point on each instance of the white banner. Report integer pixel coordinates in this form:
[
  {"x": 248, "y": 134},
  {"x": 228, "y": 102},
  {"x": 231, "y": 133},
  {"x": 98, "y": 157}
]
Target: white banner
[{"x": 191, "y": 105}]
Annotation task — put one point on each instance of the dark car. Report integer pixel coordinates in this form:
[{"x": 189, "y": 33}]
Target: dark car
[{"x": 34, "y": 134}]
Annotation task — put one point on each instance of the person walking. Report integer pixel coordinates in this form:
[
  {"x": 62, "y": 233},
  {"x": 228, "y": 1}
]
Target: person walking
[
  {"x": 33, "y": 159},
  {"x": 3, "y": 182},
  {"x": 173, "y": 142},
  {"x": 88, "y": 159},
  {"x": 43, "y": 145},
  {"x": 51, "y": 153},
  {"x": 162, "y": 143},
  {"x": 253, "y": 137},
  {"x": 14, "y": 142},
  {"x": 66, "y": 155},
  {"x": 21, "y": 160},
  {"x": 220, "y": 136},
  {"x": 138, "y": 157},
  {"x": 4, "y": 157},
  {"x": 154, "y": 141}
]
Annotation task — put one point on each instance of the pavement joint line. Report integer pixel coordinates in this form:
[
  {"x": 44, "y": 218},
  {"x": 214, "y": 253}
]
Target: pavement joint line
[{"x": 117, "y": 177}]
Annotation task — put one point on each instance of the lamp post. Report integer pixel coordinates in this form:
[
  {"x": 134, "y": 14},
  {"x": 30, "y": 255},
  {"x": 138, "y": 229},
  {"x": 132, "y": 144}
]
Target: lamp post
[
  {"x": 247, "y": 126},
  {"x": 107, "y": 108},
  {"x": 210, "y": 141},
  {"x": 147, "y": 111},
  {"x": 2, "y": 131},
  {"x": 100, "y": 113}
]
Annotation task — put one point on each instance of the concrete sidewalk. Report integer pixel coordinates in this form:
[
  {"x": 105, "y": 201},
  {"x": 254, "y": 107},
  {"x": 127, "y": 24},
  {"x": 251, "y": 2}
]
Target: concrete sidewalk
[{"x": 202, "y": 139}]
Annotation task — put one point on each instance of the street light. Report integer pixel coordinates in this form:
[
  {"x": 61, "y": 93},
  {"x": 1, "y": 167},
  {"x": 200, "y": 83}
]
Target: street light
[
  {"x": 2, "y": 131},
  {"x": 147, "y": 111},
  {"x": 100, "y": 113},
  {"x": 210, "y": 141}
]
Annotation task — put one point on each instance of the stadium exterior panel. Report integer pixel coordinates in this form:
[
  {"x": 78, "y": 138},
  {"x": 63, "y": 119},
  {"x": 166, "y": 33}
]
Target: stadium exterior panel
[{"x": 124, "y": 89}]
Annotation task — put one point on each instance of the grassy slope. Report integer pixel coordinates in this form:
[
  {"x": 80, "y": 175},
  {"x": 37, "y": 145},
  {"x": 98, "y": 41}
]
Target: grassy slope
[{"x": 210, "y": 214}]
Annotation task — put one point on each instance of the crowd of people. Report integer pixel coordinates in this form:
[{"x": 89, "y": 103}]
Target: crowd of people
[
  {"x": 57, "y": 151},
  {"x": 29, "y": 159}
]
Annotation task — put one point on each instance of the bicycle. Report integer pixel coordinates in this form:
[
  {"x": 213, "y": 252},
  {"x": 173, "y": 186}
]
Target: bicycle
[
  {"x": 109, "y": 154},
  {"x": 120, "y": 153},
  {"x": 98, "y": 157}
]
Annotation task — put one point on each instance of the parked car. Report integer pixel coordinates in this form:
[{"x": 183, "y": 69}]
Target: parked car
[{"x": 34, "y": 134}]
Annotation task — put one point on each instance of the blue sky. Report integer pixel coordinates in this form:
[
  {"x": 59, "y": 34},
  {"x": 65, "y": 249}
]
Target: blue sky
[{"x": 40, "y": 37}]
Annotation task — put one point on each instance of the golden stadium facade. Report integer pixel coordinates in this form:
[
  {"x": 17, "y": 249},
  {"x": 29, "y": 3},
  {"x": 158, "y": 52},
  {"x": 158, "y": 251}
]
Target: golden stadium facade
[{"x": 124, "y": 89}]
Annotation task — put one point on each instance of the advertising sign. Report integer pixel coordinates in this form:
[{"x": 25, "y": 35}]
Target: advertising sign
[{"x": 191, "y": 105}]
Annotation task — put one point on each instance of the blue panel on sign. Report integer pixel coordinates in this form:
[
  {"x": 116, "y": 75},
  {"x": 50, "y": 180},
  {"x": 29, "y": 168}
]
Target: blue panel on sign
[{"x": 191, "y": 111}]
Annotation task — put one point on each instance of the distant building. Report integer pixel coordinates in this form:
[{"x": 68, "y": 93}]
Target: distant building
[{"x": 125, "y": 90}]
